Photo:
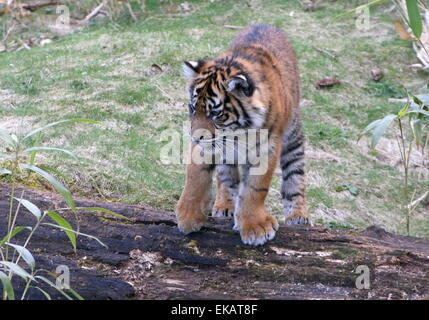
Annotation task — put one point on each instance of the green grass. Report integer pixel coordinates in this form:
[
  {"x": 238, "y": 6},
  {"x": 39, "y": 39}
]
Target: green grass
[{"x": 104, "y": 73}]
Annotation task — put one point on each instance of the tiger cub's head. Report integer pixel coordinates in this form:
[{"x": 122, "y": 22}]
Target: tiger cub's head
[{"x": 224, "y": 97}]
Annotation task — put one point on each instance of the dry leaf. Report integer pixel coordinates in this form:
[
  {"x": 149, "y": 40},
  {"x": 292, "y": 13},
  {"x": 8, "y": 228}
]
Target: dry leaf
[
  {"x": 156, "y": 68},
  {"x": 327, "y": 83},
  {"x": 401, "y": 31}
]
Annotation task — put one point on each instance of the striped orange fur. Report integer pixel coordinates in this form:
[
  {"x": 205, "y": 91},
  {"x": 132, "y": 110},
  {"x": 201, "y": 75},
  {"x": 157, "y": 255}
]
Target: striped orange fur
[{"x": 252, "y": 85}]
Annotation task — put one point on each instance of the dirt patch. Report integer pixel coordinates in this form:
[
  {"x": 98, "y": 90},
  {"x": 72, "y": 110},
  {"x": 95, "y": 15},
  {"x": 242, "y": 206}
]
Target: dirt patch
[
  {"x": 16, "y": 125},
  {"x": 387, "y": 152}
]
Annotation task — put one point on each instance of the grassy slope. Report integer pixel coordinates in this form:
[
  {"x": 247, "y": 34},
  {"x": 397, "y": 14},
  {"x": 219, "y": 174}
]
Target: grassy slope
[{"x": 104, "y": 73}]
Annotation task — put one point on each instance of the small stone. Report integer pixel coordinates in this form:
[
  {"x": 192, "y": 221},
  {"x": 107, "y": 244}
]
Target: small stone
[{"x": 377, "y": 74}]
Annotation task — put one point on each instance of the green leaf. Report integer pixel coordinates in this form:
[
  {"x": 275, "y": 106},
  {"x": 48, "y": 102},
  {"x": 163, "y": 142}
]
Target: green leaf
[
  {"x": 352, "y": 189},
  {"x": 104, "y": 210},
  {"x": 16, "y": 269},
  {"x": 404, "y": 110},
  {"x": 367, "y": 5},
  {"x": 73, "y": 292},
  {"x": 414, "y": 17},
  {"x": 369, "y": 128},
  {"x": 7, "y": 285},
  {"x": 25, "y": 254},
  {"x": 30, "y": 207},
  {"x": 77, "y": 295},
  {"x": 63, "y": 191},
  {"x": 417, "y": 101},
  {"x": 416, "y": 126},
  {"x": 379, "y": 129},
  {"x": 65, "y": 225},
  {"x": 62, "y": 175},
  {"x": 33, "y": 149},
  {"x": 5, "y": 171},
  {"x": 57, "y": 123},
  {"x": 53, "y": 285},
  {"x": 76, "y": 232},
  {"x": 42, "y": 291},
  {"x": 34, "y": 153},
  {"x": 420, "y": 111},
  {"x": 58, "y": 173},
  {"x": 12, "y": 234},
  {"x": 423, "y": 98}
]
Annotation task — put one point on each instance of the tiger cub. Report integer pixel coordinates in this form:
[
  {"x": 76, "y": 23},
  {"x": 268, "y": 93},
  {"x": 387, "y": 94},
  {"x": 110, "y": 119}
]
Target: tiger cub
[{"x": 253, "y": 85}]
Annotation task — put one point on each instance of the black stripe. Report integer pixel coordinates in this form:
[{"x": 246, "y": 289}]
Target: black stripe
[
  {"x": 293, "y": 146},
  {"x": 288, "y": 163},
  {"x": 245, "y": 114},
  {"x": 208, "y": 168},
  {"x": 260, "y": 189},
  {"x": 210, "y": 91},
  {"x": 293, "y": 172},
  {"x": 290, "y": 196}
]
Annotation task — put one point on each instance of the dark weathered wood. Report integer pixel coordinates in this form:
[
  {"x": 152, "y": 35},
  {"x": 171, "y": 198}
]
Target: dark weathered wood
[{"x": 151, "y": 254}]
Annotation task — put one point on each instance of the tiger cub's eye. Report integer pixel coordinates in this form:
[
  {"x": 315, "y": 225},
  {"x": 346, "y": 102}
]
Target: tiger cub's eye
[{"x": 216, "y": 113}]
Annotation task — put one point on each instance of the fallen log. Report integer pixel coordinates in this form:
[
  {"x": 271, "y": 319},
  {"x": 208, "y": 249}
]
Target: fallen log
[{"x": 148, "y": 258}]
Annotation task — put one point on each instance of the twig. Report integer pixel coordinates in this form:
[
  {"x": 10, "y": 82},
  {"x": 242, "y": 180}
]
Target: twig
[
  {"x": 26, "y": 46},
  {"x": 232, "y": 27},
  {"x": 8, "y": 32},
  {"x": 411, "y": 206},
  {"x": 127, "y": 4},
  {"x": 34, "y": 6},
  {"x": 93, "y": 13},
  {"x": 164, "y": 93},
  {"x": 330, "y": 55},
  {"x": 397, "y": 100}
]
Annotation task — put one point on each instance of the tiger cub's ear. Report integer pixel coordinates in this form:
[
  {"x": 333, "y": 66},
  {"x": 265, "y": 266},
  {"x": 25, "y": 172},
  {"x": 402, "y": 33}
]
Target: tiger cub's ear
[
  {"x": 240, "y": 84},
  {"x": 192, "y": 68}
]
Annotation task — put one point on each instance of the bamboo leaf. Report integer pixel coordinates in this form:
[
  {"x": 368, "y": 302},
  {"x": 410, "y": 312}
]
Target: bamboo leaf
[
  {"x": 63, "y": 191},
  {"x": 367, "y": 5},
  {"x": 414, "y": 17},
  {"x": 16, "y": 269},
  {"x": 53, "y": 285},
  {"x": 7, "y": 286},
  {"x": 34, "y": 149},
  {"x": 416, "y": 126},
  {"x": 380, "y": 128},
  {"x": 420, "y": 111},
  {"x": 5, "y": 171},
  {"x": 42, "y": 291},
  {"x": 76, "y": 232},
  {"x": 12, "y": 234},
  {"x": 62, "y": 175},
  {"x": 73, "y": 292},
  {"x": 104, "y": 210},
  {"x": 25, "y": 254},
  {"x": 30, "y": 207},
  {"x": 65, "y": 225},
  {"x": 369, "y": 128},
  {"x": 55, "y": 124}
]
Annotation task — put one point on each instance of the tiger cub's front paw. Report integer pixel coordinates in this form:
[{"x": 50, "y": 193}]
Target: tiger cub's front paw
[
  {"x": 190, "y": 217},
  {"x": 298, "y": 217},
  {"x": 223, "y": 209},
  {"x": 258, "y": 230}
]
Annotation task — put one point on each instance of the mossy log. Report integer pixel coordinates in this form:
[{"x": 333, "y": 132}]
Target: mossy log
[{"x": 148, "y": 258}]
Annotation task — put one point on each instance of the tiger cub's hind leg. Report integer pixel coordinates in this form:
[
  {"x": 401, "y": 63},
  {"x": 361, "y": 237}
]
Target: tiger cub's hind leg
[
  {"x": 227, "y": 186},
  {"x": 293, "y": 174}
]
